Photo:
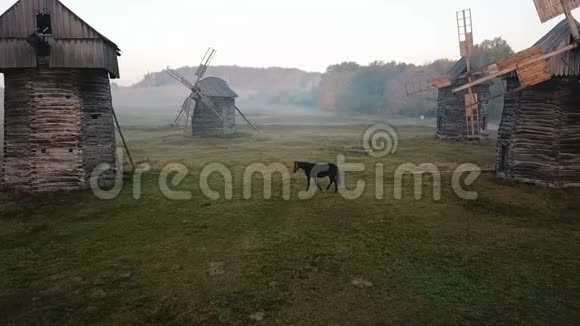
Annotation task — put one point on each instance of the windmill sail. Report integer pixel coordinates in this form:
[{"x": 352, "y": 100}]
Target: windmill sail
[{"x": 550, "y": 9}]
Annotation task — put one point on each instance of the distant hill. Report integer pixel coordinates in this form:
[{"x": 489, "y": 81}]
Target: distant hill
[{"x": 242, "y": 78}]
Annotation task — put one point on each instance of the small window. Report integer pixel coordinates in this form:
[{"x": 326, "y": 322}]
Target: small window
[
  {"x": 94, "y": 116},
  {"x": 43, "y": 24},
  {"x": 43, "y": 151},
  {"x": 70, "y": 150}
]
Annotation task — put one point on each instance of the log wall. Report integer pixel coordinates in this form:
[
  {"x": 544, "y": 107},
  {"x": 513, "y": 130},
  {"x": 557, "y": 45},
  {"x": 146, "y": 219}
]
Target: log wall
[
  {"x": 206, "y": 123},
  {"x": 17, "y": 128},
  {"x": 98, "y": 138},
  {"x": 503, "y": 166},
  {"x": 539, "y": 137},
  {"x": 451, "y": 121},
  {"x": 51, "y": 141}
]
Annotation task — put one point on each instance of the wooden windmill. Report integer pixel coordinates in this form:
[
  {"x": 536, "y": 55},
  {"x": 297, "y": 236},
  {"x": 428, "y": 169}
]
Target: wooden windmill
[
  {"x": 531, "y": 65},
  {"x": 539, "y": 130},
  {"x": 215, "y": 117},
  {"x": 186, "y": 109},
  {"x": 458, "y": 116}
]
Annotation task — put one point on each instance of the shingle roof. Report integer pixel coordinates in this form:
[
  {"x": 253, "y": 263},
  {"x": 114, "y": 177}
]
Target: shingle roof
[
  {"x": 48, "y": 4},
  {"x": 459, "y": 68},
  {"x": 216, "y": 87},
  {"x": 556, "y": 37}
]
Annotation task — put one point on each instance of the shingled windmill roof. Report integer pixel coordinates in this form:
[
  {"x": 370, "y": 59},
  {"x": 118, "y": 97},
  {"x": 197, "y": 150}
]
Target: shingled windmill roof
[
  {"x": 216, "y": 87},
  {"x": 565, "y": 64},
  {"x": 559, "y": 36},
  {"x": 73, "y": 42},
  {"x": 459, "y": 68}
]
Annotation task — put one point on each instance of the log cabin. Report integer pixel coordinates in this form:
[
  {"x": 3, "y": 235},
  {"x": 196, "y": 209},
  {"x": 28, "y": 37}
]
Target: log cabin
[
  {"x": 205, "y": 122},
  {"x": 451, "y": 112},
  {"x": 58, "y": 119},
  {"x": 539, "y": 135}
]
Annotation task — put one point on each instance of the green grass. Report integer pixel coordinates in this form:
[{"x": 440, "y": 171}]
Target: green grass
[{"x": 510, "y": 257}]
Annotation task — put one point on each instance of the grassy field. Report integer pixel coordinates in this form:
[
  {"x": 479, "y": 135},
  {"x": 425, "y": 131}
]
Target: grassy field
[{"x": 510, "y": 257}]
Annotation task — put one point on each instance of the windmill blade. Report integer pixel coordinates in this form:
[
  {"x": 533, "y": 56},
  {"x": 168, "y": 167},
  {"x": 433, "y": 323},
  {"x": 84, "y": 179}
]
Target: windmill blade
[
  {"x": 187, "y": 113},
  {"x": 514, "y": 66},
  {"x": 248, "y": 121},
  {"x": 205, "y": 62},
  {"x": 472, "y": 114},
  {"x": 179, "y": 78},
  {"x": 549, "y": 9},
  {"x": 201, "y": 63},
  {"x": 425, "y": 85},
  {"x": 465, "y": 32},
  {"x": 182, "y": 111},
  {"x": 209, "y": 104}
]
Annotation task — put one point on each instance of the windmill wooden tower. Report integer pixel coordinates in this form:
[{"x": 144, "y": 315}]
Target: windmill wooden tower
[
  {"x": 59, "y": 118},
  {"x": 540, "y": 127},
  {"x": 211, "y": 106},
  {"x": 460, "y": 116}
]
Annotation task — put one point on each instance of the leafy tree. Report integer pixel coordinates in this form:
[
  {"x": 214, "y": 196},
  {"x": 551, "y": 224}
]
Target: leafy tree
[
  {"x": 379, "y": 87},
  {"x": 343, "y": 67},
  {"x": 491, "y": 50}
]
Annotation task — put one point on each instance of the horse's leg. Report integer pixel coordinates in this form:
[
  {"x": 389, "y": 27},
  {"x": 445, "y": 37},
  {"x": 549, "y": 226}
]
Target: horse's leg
[
  {"x": 330, "y": 184},
  {"x": 318, "y": 184}
]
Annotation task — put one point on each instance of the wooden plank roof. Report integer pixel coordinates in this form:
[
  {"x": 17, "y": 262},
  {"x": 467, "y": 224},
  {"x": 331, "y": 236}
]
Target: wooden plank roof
[
  {"x": 74, "y": 43},
  {"x": 216, "y": 87},
  {"x": 16, "y": 21},
  {"x": 459, "y": 68},
  {"x": 556, "y": 37},
  {"x": 565, "y": 64}
]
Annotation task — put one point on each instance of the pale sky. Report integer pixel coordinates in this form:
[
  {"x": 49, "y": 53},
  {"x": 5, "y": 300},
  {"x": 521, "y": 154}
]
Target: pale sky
[{"x": 306, "y": 34}]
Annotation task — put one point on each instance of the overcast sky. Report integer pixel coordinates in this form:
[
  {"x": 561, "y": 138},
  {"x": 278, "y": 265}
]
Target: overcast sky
[{"x": 307, "y": 34}]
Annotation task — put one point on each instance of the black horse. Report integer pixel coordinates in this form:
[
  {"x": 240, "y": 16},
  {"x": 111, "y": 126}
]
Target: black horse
[{"x": 316, "y": 171}]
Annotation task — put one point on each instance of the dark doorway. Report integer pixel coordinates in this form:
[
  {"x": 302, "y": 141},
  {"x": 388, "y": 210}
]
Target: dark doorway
[{"x": 503, "y": 158}]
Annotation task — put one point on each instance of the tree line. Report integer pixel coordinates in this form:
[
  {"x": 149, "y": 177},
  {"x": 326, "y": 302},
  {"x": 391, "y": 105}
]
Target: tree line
[{"x": 380, "y": 87}]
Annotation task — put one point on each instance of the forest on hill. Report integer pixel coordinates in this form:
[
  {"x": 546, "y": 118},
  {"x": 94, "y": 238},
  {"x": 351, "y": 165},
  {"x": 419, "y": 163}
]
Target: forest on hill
[
  {"x": 242, "y": 77},
  {"x": 380, "y": 88}
]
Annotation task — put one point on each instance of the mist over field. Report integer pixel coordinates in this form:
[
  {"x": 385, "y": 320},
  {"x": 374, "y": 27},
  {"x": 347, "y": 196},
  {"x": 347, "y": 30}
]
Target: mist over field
[{"x": 155, "y": 100}]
